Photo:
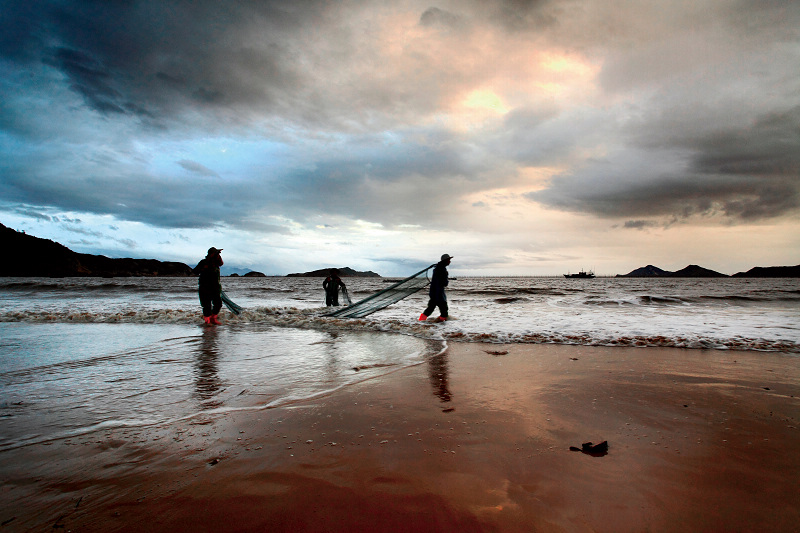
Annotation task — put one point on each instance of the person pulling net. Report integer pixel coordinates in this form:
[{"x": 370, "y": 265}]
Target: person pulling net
[{"x": 386, "y": 297}]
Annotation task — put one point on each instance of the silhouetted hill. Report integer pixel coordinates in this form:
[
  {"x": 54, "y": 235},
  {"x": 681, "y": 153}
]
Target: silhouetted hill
[
  {"x": 694, "y": 271},
  {"x": 343, "y": 272},
  {"x": 691, "y": 271},
  {"x": 770, "y": 272},
  {"x": 648, "y": 271},
  {"x": 26, "y": 255}
]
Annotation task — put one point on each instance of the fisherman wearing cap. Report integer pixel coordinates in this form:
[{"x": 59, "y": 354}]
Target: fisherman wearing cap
[
  {"x": 331, "y": 286},
  {"x": 209, "y": 287},
  {"x": 439, "y": 281}
]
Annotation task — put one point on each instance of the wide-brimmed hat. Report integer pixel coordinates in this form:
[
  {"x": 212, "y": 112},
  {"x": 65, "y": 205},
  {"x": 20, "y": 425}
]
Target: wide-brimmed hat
[{"x": 213, "y": 250}]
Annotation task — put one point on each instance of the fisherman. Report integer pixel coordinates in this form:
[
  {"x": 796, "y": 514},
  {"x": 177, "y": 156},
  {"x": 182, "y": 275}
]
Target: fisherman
[
  {"x": 209, "y": 287},
  {"x": 439, "y": 281},
  {"x": 331, "y": 286}
]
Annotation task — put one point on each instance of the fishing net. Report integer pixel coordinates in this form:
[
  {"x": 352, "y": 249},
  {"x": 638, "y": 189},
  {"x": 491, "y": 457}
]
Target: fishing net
[
  {"x": 346, "y": 296},
  {"x": 235, "y": 309},
  {"x": 386, "y": 297}
]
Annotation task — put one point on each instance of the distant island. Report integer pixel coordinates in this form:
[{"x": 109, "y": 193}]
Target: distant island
[
  {"x": 343, "y": 272},
  {"x": 695, "y": 271},
  {"x": 770, "y": 272},
  {"x": 31, "y": 256}
]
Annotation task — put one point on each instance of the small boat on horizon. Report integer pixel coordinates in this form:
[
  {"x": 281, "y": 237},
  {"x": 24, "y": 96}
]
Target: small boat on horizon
[{"x": 580, "y": 275}]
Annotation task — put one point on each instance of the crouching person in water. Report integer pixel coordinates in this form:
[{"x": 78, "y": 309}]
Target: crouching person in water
[
  {"x": 209, "y": 288},
  {"x": 331, "y": 286},
  {"x": 439, "y": 280}
]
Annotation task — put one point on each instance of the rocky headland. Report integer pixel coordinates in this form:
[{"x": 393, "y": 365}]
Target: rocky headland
[
  {"x": 27, "y": 255},
  {"x": 770, "y": 272}
]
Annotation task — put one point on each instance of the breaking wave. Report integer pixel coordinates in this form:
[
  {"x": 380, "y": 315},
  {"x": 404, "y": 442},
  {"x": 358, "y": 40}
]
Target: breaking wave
[{"x": 452, "y": 330}]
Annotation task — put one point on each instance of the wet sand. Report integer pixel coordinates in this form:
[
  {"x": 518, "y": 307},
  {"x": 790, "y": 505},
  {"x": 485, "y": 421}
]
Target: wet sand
[{"x": 475, "y": 439}]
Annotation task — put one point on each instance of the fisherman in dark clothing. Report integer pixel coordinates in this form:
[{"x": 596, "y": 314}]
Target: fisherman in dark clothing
[
  {"x": 439, "y": 280},
  {"x": 209, "y": 287},
  {"x": 331, "y": 286}
]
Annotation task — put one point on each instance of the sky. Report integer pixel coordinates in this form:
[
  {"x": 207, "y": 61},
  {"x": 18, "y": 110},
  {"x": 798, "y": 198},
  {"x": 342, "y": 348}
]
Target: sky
[{"x": 521, "y": 137}]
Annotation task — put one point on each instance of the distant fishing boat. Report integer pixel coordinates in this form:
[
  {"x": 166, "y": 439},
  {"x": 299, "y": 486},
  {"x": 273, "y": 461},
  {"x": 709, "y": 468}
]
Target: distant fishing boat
[{"x": 580, "y": 275}]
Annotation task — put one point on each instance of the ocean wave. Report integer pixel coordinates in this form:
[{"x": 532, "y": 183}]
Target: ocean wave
[
  {"x": 662, "y": 300},
  {"x": 773, "y": 297},
  {"x": 45, "y": 286},
  {"x": 315, "y": 318},
  {"x": 506, "y": 291},
  {"x": 600, "y": 301}
]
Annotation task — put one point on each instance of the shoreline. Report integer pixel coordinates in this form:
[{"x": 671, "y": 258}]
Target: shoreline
[{"x": 475, "y": 439}]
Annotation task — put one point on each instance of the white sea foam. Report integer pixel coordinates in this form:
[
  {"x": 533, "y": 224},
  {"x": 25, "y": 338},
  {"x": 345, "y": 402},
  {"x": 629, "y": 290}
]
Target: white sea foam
[{"x": 741, "y": 314}]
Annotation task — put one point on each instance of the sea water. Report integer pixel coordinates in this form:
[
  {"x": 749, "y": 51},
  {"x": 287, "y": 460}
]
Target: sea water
[{"x": 82, "y": 354}]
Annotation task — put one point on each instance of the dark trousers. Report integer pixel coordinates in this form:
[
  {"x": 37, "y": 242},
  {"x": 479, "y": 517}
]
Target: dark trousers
[
  {"x": 332, "y": 297},
  {"x": 433, "y": 303},
  {"x": 211, "y": 301}
]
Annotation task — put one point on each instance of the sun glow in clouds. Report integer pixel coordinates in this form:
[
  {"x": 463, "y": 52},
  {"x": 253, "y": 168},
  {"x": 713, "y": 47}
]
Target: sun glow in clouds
[
  {"x": 485, "y": 100},
  {"x": 568, "y": 65}
]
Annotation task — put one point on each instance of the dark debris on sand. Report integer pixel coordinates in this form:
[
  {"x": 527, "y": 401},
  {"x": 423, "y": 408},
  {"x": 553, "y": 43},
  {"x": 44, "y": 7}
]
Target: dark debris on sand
[{"x": 595, "y": 450}]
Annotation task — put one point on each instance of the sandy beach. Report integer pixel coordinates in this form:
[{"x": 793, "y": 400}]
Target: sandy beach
[{"x": 475, "y": 439}]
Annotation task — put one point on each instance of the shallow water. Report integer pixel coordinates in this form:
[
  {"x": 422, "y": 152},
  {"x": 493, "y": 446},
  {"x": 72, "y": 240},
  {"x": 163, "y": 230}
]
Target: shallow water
[
  {"x": 82, "y": 354},
  {"x": 61, "y": 380}
]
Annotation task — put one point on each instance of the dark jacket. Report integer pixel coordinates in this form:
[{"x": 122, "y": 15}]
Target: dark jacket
[
  {"x": 439, "y": 280},
  {"x": 209, "y": 275},
  {"x": 332, "y": 284}
]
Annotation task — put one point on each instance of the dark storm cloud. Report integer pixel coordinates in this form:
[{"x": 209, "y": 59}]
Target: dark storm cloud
[
  {"x": 739, "y": 199},
  {"x": 91, "y": 80},
  {"x": 156, "y": 58},
  {"x": 744, "y": 174},
  {"x": 770, "y": 148},
  {"x": 350, "y": 105},
  {"x": 282, "y": 67}
]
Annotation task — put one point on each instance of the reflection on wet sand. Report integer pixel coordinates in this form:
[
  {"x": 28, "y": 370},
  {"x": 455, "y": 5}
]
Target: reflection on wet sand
[
  {"x": 207, "y": 382},
  {"x": 437, "y": 374}
]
